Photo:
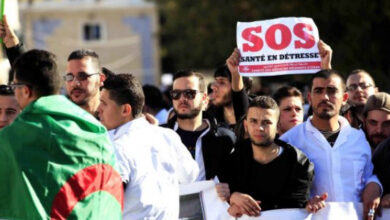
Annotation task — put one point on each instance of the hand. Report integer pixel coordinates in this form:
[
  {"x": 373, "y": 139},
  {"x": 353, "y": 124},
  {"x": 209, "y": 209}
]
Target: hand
[
  {"x": 325, "y": 54},
  {"x": 246, "y": 203},
  {"x": 9, "y": 37},
  {"x": 316, "y": 203},
  {"x": 223, "y": 191},
  {"x": 151, "y": 119},
  {"x": 385, "y": 203},
  {"x": 371, "y": 200},
  {"x": 235, "y": 211}
]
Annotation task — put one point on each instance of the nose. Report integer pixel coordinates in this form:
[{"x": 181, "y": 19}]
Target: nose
[
  {"x": 214, "y": 86},
  {"x": 3, "y": 117},
  {"x": 378, "y": 129}
]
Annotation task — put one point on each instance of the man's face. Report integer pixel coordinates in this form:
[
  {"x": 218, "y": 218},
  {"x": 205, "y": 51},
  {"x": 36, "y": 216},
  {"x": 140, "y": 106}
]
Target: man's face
[
  {"x": 9, "y": 109},
  {"x": 110, "y": 113},
  {"x": 359, "y": 87},
  {"x": 261, "y": 125},
  {"x": 190, "y": 106},
  {"x": 291, "y": 113},
  {"x": 377, "y": 126},
  {"x": 221, "y": 91},
  {"x": 326, "y": 97},
  {"x": 82, "y": 91}
]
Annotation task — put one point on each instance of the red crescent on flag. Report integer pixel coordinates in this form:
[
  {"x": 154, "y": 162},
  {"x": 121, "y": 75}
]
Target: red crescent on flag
[{"x": 99, "y": 177}]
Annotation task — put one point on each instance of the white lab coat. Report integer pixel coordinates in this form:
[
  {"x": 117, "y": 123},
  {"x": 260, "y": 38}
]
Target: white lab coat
[
  {"x": 152, "y": 161},
  {"x": 342, "y": 170}
]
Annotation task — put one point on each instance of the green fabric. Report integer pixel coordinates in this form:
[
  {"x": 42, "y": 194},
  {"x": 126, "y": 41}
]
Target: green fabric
[{"x": 50, "y": 141}]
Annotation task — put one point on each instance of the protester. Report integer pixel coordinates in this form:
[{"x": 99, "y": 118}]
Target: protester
[
  {"x": 154, "y": 103},
  {"x": 54, "y": 154},
  {"x": 290, "y": 102},
  {"x": 381, "y": 161},
  {"x": 152, "y": 159},
  {"x": 83, "y": 79},
  {"x": 376, "y": 115},
  {"x": 208, "y": 143},
  {"x": 327, "y": 138},
  {"x": 250, "y": 170},
  {"x": 360, "y": 86},
  {"x": 9, "y": 107}
]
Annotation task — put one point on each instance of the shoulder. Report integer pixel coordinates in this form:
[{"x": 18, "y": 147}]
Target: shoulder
[{"x": 293, "y": 152}]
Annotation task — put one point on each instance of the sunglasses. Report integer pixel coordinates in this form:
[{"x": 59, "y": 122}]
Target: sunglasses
[
  {"x": 80, "y": 77},
  {"x": 6, "y": 90},
  {"x": 187, "y": 93}
]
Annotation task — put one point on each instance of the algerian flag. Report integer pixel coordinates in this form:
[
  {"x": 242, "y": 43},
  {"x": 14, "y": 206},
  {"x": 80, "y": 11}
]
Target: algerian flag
[{"x": 56, "y": 162}]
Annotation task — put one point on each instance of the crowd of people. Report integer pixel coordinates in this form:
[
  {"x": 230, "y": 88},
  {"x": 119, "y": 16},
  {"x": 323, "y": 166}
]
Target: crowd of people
[{"x": 110, "y": 133}]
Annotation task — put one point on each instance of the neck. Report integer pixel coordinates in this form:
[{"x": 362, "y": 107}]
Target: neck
[
  {"x": 228, "y": 113},
  {"x": 92, "y": 105},
  {"x": 331, "y": 124},
  {"x": 265, "y": 155},
  {"x": 192, "y": 124}
]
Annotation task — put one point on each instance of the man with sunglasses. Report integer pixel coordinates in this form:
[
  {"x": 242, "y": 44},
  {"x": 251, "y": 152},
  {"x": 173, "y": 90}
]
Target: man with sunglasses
[
  {"x": 208, "y": 143},
  {"x": 360, "y": 86},
  {"x": 9, "y": 108},
  {"x": 340, "y": 153}
]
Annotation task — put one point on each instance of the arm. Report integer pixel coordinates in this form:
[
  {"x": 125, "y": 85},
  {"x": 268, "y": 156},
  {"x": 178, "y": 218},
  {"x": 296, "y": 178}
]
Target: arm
[
  {"x": 239, "y": 95},
  {"x": 10, "y": 40}
]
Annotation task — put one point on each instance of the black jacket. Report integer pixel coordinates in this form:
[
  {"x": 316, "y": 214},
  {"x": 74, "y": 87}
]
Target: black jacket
[
  {"x": 282, "y": 183},
  {"x": 216, "y": 144}
]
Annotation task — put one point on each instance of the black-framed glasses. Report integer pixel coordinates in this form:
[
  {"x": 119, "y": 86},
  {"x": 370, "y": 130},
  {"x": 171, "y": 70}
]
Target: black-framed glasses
[
  {"x": 14, "y": 85},
  {"x": 187, "y": 93},
  {"x": 80, "y": 77},
  {"x": 363, "y": 86},
  {"x": 6, "y": 90}
]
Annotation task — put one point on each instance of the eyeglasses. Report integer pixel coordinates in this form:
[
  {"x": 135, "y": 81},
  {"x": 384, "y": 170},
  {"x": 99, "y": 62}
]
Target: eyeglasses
[
  {"x": 6, "y": 90},
  {"x": 363, "y": 86},
  {"x": 80, "y": 77},
  {"x": 14, "y": 85},
  {"x": 187, "y": 93}
]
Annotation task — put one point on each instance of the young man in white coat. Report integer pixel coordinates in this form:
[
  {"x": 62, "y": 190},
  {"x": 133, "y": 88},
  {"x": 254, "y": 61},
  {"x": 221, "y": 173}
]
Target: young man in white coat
[
  {"x": 340, "y": 153},
  {"x": 152, "y": 160}
]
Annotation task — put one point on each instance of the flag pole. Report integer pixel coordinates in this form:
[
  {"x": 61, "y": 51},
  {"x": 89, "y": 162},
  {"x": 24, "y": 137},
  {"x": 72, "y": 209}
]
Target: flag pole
[{"x": 2, "y": 2}]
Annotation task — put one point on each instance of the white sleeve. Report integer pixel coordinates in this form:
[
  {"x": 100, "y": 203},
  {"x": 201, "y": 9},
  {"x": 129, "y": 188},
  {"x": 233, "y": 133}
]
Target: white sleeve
[
  {"x": 123, "y": 164},
  {"x": 187, "y": 167}
]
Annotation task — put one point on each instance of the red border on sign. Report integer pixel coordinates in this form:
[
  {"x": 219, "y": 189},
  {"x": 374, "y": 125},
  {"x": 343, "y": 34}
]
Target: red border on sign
[
  {"x": 99, "y": 177},
  {"x": 269, "y": 68}
]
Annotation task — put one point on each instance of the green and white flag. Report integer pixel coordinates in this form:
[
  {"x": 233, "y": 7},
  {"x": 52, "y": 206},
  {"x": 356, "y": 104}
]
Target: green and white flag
[{"x": 56, "y": 162}]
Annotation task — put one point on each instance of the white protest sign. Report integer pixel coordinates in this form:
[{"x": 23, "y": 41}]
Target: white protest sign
[{"x": 278, "y": 47}]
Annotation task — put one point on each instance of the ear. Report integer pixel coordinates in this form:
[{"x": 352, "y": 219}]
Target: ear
[
  {"x": 245, "y": 123},
  {"x": 102, "y": 78},
  {"x": 345, "y": 97},
  {"x": 126, "y": 110},
  {"x": 376, "y": 90},
  {"x": 27, "y": 92},
  {"x": 309, "y": 97}
]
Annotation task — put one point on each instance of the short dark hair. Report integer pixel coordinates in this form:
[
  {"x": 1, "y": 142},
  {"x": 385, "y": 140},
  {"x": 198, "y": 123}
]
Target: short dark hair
[
  {"x": 264, "y": 102},
  {"x": 153, "y": 97},
  {"x": 188, "y": 73},
  {"x": 223, "y": 71},
  {"x": 38, "y": 69},
  {"x": 285, "y": 92},
  {"x": 356, "y": 71},
  {"x": 124, "y": 88},
  {"x": 6, "y": 90},
  {"x": 326, "y": 74},
  {"x": 83, "y": 53}
]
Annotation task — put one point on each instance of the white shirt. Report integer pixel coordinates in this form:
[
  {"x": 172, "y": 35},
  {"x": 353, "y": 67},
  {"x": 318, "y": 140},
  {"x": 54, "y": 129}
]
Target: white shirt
[
  {"x": 152, "y": 161},
  {"x": 342, "y": 170}
]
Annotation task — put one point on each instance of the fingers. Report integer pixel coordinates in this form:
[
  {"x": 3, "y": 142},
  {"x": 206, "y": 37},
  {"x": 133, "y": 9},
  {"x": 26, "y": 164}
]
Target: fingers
[{"x": 317, "y": 203}]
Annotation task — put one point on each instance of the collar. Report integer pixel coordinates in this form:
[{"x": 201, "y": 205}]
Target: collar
[{"x": 126, "y": 127}]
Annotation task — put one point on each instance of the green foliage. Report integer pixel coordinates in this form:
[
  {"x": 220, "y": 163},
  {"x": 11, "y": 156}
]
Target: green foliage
[{"x": 201, "y": 34}]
